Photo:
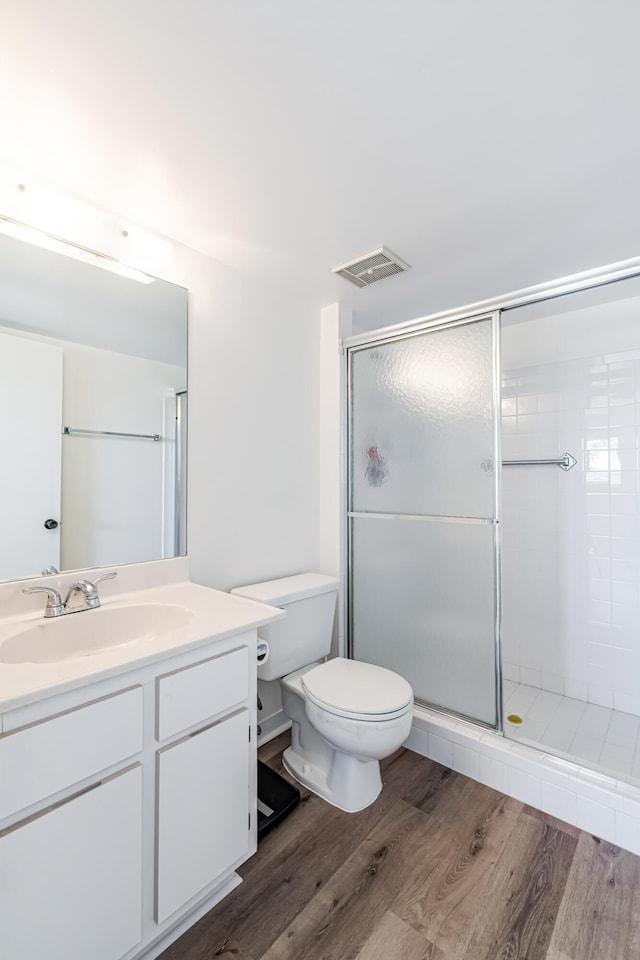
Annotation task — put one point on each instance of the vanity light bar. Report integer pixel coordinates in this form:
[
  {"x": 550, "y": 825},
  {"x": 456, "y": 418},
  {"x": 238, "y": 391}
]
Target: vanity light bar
[{"x": 39, "y": 238}]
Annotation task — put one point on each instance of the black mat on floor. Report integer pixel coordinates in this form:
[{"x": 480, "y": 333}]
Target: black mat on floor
[{"x": 276, "y": 798}]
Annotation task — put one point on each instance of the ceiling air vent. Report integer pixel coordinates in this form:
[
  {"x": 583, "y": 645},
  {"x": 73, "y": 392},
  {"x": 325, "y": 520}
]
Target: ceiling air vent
[{"x": 371, "y": 267}]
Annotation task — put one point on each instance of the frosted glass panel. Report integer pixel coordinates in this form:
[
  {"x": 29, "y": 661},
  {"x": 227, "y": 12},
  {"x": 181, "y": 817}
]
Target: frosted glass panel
[
  {"x": 423, "y": 605},
  {"x": 422, "y": 424}
]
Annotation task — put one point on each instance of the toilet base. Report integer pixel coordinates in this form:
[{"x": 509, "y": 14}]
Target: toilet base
[
  {"x": 337, "y": 757},
  {"x": 345, "y": 782}
]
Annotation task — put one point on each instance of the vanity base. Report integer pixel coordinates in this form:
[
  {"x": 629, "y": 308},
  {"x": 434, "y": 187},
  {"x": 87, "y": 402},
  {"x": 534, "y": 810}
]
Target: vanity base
[{"x": 151, "y": 951}]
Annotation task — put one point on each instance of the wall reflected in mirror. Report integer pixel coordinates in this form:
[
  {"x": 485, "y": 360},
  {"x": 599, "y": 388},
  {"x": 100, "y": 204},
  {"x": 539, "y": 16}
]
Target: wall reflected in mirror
[{"x": 93, "y": 380}]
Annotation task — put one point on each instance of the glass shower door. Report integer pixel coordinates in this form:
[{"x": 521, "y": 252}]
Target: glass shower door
[{"x": 422, "y": 512}]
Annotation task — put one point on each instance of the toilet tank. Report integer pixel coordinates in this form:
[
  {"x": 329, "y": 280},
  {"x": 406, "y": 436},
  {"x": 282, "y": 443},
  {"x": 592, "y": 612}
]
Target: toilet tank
[{"x": 304, "y": 635}]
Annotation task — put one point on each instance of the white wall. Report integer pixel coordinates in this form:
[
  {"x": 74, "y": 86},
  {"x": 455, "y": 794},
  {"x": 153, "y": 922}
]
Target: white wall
[
  {"x": 253, "y": 469},
  {"x": 571, "y": 560}
]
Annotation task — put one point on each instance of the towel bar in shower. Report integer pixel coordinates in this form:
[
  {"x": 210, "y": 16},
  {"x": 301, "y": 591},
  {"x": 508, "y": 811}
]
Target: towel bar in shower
[
  {"x": 73, "y": 431},
  {"x": 565, "y": 462}
]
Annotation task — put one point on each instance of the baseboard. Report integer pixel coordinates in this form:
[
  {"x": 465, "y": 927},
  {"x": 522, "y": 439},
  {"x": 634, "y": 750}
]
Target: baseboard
[{"x": 272, "y": 727}]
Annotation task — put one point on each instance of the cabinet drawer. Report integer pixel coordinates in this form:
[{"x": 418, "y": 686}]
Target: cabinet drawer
[
  {"x": 39, "y": 760},
  {"x": 194, "y": 694}
]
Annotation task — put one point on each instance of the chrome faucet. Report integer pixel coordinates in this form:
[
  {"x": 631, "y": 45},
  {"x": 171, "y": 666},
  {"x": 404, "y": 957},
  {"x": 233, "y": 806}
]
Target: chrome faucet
[{"x": 87, "y": 589}]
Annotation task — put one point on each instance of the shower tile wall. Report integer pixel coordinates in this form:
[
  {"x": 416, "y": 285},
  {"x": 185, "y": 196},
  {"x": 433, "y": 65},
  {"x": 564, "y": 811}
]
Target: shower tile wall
[{"x": 571, "y": 614}]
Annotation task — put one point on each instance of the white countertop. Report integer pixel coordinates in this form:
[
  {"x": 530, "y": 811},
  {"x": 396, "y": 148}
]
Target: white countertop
[{"x": 214, "y": 615}]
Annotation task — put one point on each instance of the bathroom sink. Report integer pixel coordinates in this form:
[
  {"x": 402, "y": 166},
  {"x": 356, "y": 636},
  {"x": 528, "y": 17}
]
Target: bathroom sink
[{"x": 92, "y": 632}]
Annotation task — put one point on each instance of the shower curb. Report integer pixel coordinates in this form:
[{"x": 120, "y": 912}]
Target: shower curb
[{"x": 594, "y": 802}]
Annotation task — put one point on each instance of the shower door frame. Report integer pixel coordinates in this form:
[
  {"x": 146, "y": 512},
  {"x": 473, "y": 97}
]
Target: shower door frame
[
  {"x": 420, "y": 329},
  {"x": 495, "y": 306}
]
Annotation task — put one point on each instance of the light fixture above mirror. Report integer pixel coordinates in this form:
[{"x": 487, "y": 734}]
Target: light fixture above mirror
[
  {"x": 20, "y": 231},
  {"x": 35, "y": 206}
]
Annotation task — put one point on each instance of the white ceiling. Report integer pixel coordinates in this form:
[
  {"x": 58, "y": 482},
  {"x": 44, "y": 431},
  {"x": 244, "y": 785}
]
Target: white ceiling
[{"x": 490, "y": 143}]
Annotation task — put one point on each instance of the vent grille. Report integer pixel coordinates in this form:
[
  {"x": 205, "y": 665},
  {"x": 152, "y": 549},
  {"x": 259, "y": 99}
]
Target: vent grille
[{"x": 371, "y": 267}]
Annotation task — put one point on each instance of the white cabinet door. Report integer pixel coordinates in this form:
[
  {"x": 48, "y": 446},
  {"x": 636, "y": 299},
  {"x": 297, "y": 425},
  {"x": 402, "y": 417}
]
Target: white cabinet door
[
  {"x": 203, "y": 810},
  {"x": 31, "y": 426},
  {"x": 71, "y": 878}
]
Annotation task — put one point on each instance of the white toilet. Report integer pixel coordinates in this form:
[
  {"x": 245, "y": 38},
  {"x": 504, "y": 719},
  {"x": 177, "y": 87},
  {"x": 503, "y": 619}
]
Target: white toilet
[{"x": 346, "y": 715}]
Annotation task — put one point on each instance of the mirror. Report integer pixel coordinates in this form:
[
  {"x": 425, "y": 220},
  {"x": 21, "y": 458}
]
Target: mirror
[{"x": 93, "y": 379}]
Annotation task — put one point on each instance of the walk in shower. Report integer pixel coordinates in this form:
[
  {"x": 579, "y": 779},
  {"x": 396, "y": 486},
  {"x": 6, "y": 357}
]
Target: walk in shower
[{"x": 494, "y": 515}]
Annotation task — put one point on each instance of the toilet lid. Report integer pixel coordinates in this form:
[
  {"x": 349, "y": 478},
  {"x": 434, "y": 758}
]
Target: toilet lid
[{"x": 350, "y": 687}]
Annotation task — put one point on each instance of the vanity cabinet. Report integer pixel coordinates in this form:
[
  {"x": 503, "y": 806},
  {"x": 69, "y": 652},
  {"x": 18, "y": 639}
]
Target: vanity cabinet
[{"x": 127, "y": 804}]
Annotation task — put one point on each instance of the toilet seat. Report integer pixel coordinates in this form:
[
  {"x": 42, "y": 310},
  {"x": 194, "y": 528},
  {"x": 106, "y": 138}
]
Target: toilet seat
[{"x": 357, "y": 691}]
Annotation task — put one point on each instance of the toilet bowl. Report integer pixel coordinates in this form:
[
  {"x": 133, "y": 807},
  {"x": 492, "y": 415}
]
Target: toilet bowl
[
  {"x": 345, "y": 715},
  {"x": 337, "y": 740}
]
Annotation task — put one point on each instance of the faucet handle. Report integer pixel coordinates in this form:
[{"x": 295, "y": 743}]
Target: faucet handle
[
  {"x": 89, "y": 588},
  {"x": 55, "y": 606},
  {"x": 106, "y": 576},
  {"x": 54, "y": 596}
]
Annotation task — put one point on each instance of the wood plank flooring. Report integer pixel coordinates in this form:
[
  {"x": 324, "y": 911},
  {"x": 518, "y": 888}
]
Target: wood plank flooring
[{"x": 438, "y": 868}]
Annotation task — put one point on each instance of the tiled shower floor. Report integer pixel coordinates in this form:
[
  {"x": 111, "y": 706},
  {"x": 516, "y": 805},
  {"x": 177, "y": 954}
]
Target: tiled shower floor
[{"x": 607, "y": 740}]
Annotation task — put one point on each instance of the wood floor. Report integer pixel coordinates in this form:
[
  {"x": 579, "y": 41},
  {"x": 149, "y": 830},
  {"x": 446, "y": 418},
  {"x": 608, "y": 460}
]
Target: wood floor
[{"x": 439, "y": 868}]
